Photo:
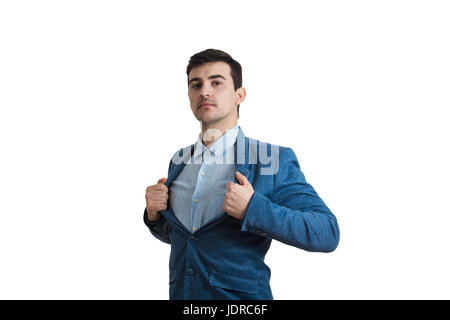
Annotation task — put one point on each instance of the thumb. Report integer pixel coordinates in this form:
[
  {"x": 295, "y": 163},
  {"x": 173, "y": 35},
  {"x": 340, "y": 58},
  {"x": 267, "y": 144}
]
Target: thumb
[
  {"x": 162, "y": 180},
  {"x": 241, "y": 178}
]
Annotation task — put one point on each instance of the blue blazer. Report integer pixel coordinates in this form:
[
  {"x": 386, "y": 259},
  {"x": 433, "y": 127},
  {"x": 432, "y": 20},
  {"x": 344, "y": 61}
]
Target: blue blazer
[{"x": 224, "y": 259}]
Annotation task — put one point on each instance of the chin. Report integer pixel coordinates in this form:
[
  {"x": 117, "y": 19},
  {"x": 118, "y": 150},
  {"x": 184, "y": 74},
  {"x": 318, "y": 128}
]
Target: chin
[
  {"x": 209, "y": 120},
  {"x": 208, "y": 117}
]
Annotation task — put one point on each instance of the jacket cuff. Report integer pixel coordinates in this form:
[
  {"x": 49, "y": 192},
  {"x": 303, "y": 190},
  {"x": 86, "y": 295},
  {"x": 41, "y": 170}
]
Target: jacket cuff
[{"x": 252, "y": 221}]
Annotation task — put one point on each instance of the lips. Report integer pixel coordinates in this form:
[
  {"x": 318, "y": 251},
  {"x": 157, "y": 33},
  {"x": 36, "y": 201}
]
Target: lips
[{"x": 205, "y": 105}]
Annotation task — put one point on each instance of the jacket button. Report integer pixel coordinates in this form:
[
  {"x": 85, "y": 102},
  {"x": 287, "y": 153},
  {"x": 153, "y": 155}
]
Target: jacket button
[
  {"x": 189, "y": 272},
  {"x": 193, "y": 239}
]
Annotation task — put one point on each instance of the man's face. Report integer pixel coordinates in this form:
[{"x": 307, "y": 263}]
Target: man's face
[{"x": 211, "y": 93}]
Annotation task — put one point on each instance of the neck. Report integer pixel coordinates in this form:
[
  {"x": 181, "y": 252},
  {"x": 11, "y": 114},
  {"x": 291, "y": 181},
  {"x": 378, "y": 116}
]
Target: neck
[{"x": 212, "y": 132}]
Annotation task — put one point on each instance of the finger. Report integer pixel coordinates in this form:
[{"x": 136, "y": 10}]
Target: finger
[
  {"x": 157, "y": 191},
  {"x": 157, "y": 195},
  {"x": 160, "y": 187},
  {"x": 162, "y": 180},
  {"x": 225, "y": 206},
  {"x": 157, "y": 200},
  {"x": 156, "y": 204},
  {"x": 241, "y": 178}
]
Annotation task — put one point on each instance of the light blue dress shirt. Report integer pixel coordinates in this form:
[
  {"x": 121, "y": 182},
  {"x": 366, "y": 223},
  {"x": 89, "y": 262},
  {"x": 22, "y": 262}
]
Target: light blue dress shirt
[{"x": 196, "y": 196}]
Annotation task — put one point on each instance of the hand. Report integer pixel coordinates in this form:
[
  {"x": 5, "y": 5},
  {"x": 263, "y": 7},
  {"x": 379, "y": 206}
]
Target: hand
[
  {"x": 156, "y": 197},
  {"x": 238, "y": 196}
]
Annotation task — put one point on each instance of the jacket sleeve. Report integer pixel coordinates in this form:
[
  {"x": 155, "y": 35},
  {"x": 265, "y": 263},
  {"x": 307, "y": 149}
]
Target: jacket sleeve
[
  {"x": 294, "y": 214},
  {"x": 160, "y": 228}
]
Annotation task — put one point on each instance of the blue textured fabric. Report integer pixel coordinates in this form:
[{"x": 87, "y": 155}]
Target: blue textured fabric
[
  {"x": 196, "y": 196},
  {"x": 224, "y": 259}
]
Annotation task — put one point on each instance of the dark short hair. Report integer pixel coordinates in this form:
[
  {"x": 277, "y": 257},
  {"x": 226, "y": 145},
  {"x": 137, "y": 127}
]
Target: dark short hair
[{"x": 213, "y": 55}]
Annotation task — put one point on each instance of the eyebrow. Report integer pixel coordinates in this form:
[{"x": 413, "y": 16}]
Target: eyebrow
[{"x": 214, "y": 76}]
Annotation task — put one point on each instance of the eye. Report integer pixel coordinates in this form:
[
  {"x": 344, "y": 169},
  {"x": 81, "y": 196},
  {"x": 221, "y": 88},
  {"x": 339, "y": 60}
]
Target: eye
[
  {"x": 195, "y": 86},
  {"x": 217, "y": 82}
]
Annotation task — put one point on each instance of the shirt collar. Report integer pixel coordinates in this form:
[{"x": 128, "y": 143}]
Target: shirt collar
[{"x": 218, "y": 147}]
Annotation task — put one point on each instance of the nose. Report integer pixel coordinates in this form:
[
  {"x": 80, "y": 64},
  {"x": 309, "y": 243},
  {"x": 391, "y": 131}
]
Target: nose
[{"x": 205, "y": 91}]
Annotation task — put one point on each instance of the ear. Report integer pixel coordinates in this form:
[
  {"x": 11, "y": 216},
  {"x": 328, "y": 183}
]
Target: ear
[{"x": 240, "y": 95}]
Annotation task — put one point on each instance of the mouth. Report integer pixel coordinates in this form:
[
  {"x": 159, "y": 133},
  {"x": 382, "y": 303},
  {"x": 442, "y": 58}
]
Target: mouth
[{"x": 205, "y": 105}]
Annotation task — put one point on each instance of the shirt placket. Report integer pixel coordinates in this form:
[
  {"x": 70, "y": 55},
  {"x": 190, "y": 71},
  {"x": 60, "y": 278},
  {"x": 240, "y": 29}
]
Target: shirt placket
[{"x": 199, "y": 197}]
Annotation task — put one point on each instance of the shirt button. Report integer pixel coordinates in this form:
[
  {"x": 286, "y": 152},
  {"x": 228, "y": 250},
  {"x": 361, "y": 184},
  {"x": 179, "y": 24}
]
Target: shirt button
[
  {"x": 196, "y": 200},
  {"x": 189, "y": 272},
  {"x": 202, "y": 173}
]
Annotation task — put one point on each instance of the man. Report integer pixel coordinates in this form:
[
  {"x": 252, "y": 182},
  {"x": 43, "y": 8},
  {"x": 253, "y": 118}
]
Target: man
[{"x": 227, "y": 196}]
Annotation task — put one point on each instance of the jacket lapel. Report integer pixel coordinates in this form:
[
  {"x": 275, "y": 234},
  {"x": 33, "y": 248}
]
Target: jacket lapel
[
  {"x": 178, "y": 165},
  {"x": 175, "y": 169},
  {"x": 241, "y": 156}
]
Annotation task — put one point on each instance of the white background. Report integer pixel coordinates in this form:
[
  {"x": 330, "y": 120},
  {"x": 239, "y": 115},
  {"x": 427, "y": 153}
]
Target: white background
[{"x": 94, "y": 104}]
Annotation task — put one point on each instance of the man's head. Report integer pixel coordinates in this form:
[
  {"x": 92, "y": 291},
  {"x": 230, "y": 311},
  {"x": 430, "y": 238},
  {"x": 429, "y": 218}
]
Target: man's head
[{"x": 214, "y": 77}]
